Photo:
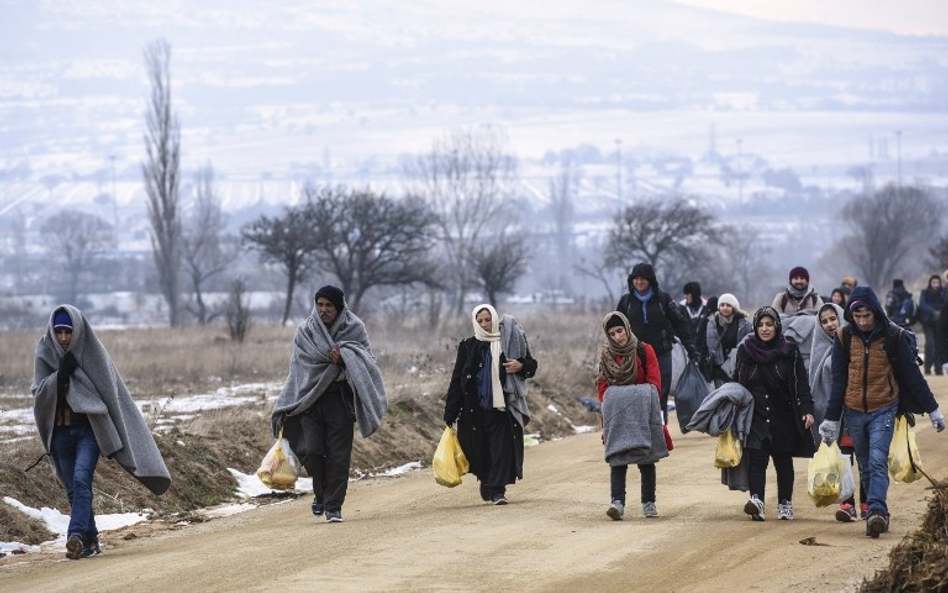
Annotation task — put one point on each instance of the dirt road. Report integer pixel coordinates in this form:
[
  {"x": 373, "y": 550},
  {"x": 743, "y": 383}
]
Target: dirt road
[{"x": 409, "y": 534}]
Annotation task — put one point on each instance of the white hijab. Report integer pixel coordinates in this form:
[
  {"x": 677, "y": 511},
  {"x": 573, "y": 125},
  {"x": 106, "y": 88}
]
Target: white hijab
[{"x": 493, "y": 337}]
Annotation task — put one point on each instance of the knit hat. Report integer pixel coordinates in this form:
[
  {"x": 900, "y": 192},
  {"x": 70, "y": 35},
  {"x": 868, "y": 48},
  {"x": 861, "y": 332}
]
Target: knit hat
[
  {"x": 799, "y": 272},
  {"x": 898, "y": 283},
  {"x": 61, "y": 320},
  {"x": 730, "y": 299},
  {"x": 615, "y": 321},
  {"x": 693, "y": 288},
  {"x": 335, "y": 296},
  {"x": 848, "y": 282}
]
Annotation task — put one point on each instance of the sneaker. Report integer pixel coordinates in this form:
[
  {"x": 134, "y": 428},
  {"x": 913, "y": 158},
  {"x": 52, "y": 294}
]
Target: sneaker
[
  {"x": 74, "y": 547},
  {"x": 755, "y": 508},
  {"x": 92, "y": 549},
  {"x": 616, "y": 510},
  {"x": 785, "y": 511},
  {"x": 876, "y": 524},
  {"x": 649, "y": 509},
  {"x": 846, "y": 513},
  {"x": 498, "y": 499},
  {"x": 863, "y": 510},
  {"x": 318, "y": 507},
  {"x": 334, "y": 516}
]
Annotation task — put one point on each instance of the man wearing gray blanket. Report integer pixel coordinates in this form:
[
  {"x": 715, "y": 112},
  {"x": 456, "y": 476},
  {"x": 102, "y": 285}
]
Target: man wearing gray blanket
[{"x": 334, "y": 382}]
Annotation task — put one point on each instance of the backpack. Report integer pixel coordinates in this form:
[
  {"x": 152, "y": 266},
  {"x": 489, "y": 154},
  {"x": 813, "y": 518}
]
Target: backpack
[
  {"x": 786, "y": 299},
  {"x": 901, "y": 308},
  {"x": 893, "y": 335}
]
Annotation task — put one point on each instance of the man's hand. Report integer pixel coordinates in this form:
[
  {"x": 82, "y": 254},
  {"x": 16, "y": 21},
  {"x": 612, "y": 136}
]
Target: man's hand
[
  {"x": 334, "y": 355},
  {"x": 938, "y": 420},
  {"x": 67, "y": 366},
  {"x": 829, "y": 429}
]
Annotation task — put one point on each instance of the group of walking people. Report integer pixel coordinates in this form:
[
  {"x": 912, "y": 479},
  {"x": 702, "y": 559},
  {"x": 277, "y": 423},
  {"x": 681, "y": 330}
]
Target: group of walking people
[
  {"x": 857, "y": 374},
  {"x": 860, "y": 373}
]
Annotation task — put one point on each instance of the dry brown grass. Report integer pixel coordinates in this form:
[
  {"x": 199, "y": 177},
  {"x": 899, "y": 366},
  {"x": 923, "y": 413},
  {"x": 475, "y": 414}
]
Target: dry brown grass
[{"x": 155, "y": 363}]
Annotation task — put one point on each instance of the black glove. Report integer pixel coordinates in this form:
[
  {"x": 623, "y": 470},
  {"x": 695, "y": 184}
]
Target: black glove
[{"x": 67, "y": 366}]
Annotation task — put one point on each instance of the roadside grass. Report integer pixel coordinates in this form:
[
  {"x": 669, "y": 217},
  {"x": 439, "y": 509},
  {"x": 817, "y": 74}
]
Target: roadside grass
[{"x": 156, "y": 363}]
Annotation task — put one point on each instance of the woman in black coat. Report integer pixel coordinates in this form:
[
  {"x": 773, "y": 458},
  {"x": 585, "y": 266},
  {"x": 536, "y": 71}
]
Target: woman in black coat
[
  {"x": 772, "y": 369},
  {"x": 487, "y": 398}
]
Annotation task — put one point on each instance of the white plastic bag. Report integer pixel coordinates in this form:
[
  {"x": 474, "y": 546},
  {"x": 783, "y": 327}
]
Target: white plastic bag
[
  {"x": 280, "y": 467},
  {"x": 847, "y": 484}
]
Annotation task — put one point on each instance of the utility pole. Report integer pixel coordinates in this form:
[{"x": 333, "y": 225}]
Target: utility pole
[
  {"x": 619, "y": 173},
  {"x": 740, "y": 173},
  {"x": 898, "y": 152}
]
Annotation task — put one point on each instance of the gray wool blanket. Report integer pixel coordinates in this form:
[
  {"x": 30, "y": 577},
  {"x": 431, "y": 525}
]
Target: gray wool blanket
[
  {"x": 632, "y": 425},
  {"x": 312, "y": 372},
  {"x": 800, "y": 329},
  {"x": 514, "y": 345},
  {"x": 729, "y": 405},
  {"x": 96, "y": 389}
]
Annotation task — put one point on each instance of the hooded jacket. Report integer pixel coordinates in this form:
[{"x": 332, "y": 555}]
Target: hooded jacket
[
  {"x": 883, "y": 378},
  {"x": 658, "y": 320}
]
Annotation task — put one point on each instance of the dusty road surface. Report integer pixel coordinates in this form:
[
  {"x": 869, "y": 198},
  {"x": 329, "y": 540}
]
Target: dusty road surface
[{"x": 409, "y": 534}]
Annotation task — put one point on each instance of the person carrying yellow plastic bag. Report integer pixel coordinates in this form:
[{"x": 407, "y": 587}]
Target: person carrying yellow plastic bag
[
  {"x": 824, "y": 474},
  {"x": 904, "y": 461},
  {"x": 280, "y": 467},
  {"x": 449, "y": 462}
]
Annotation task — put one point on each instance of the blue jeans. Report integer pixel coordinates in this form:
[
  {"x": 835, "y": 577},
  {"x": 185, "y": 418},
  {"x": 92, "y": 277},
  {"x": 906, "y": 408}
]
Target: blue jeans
[
  {"x": 76, "y": 453},
  {"x": 872, "y": 434}
]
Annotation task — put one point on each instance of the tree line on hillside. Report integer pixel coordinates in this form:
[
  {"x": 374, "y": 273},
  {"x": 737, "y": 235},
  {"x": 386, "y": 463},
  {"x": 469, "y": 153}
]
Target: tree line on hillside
[{"x": 459, "y": 228}]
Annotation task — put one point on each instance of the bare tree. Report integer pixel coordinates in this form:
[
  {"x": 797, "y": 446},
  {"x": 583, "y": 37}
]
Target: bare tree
[
  {"x": 75, "y": 240},
  {"x": 288, "y": 242},
  {"x": 740, "y": 261},
  {"x": 203, "y": 256},
  {"x": 670, "y": 233},
  {"x": 886, "y": 227},
  {"x": 237, "y": 311},
  {"x": 162, "y": 143},
  {"x": 366, "y": 239},
  {"x": 498, "y": 264},
  {"x": 465, "y": 177},
  {"x": 939, "y": 254}
]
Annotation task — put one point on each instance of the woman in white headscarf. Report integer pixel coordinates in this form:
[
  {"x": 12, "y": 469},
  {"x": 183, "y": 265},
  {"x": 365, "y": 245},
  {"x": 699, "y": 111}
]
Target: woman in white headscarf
[{"x": 487, "y": 399}]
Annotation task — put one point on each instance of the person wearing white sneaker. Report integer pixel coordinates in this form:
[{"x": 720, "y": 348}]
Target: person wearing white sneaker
[
  {"x": 772, "y": 369},
  {"x": 628, "y": 385},
  {"x": 867, "y": 356}
]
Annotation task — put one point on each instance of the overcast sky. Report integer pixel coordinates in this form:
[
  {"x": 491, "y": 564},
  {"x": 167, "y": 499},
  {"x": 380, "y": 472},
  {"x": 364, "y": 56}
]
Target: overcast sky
[{"x": 918, "y": 17}]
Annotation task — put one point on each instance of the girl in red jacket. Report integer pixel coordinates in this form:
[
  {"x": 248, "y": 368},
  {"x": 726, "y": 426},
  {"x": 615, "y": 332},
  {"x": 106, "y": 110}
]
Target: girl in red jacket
[{"x": 624, "y": 360}]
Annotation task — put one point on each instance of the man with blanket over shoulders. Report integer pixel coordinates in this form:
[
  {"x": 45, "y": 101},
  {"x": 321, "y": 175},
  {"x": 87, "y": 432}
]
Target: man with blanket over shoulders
[
  {"x": 83, "y": 410},
  {"x": 334, "y": 381}
]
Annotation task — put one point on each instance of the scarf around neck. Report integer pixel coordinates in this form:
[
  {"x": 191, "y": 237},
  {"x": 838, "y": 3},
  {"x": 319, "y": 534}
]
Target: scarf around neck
[
  {"x": 643, "y": 298},
  {"x": 625, "y": 371},
  {"x": 493, "y": 338}
]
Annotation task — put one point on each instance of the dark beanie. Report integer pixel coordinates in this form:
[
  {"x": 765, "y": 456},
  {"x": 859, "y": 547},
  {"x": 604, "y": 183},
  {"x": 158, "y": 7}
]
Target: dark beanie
[
  {"x": 61, "y": 320},
  {"x": 897, "y": 283},
  {"x": 799, "y": 272},
  {"x": 335, "y": 296},
  {"x": 614, "y": 321}
]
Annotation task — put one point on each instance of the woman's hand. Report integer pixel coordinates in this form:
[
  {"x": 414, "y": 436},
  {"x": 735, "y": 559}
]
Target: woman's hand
[
  {"x": 808, "y": 420},
  {"x": 513, "y": 366}
]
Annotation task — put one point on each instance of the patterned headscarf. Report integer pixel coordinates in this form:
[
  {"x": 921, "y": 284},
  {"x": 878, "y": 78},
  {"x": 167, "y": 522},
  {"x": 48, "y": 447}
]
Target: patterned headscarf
[{"x": 624, "y": 372}]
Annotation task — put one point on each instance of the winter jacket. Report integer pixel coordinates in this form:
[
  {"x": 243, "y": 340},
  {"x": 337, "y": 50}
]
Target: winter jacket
[
  {"x": 660, "y": 320},
  {"x": 879, "y": 379},
  {"x": 930, "y": 304}
]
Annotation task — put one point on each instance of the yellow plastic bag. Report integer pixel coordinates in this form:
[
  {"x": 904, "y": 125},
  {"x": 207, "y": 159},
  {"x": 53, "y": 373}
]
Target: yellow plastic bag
[
  {"x": 280, "y": 467},
  {"x": 449, "y": 462},
  {"x": 729, "y": 450},
  {"x": 824, "y": 475},
  {"x": 904, "y": 461}
]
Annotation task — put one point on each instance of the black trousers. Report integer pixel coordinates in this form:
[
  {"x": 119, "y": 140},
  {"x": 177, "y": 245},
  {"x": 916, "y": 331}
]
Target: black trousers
[
  {"x": 758, "y": 460},
  {"x": 617, "y": 477},
  {"x": 326, "y": 435}
]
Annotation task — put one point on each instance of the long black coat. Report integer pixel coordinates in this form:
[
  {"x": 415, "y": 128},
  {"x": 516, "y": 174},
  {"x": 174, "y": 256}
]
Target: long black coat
[
  {"x": 462, "y": 404},
  {"x": 782, "y": 397}
]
